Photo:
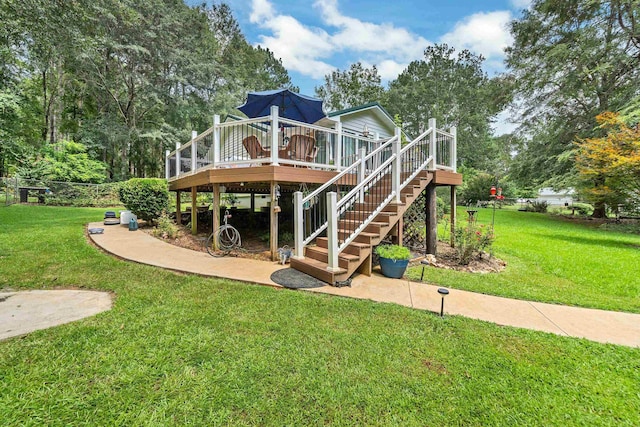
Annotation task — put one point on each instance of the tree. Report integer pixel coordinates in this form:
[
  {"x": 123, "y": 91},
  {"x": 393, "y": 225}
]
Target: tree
[
  {"x": 453, "y": 89},
  {"x": 610, "y": 165},
  {"x": 349, "y": 88},
  {"x": 571, "y": 60}
]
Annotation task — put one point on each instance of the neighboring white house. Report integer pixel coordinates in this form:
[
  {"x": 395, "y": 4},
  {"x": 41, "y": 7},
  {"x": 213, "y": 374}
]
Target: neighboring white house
[{"x": 556, "y": 198}]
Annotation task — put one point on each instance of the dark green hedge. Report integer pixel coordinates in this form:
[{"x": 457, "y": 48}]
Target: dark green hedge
[{"x": 145, "y": 197}]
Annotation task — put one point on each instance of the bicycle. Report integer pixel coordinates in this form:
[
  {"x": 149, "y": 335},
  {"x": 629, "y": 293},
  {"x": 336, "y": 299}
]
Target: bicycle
[{"x": 227, "y": 237}]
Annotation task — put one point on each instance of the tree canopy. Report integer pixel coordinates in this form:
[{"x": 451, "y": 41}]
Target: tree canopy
[
  {"x": 570, "y": 61},
  {"x": 127, "y": 79}
]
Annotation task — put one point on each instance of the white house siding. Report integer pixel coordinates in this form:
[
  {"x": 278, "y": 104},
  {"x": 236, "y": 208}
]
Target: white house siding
[
  {"x": 556, "y": 198},
  {"x": 355, "y": 122}
]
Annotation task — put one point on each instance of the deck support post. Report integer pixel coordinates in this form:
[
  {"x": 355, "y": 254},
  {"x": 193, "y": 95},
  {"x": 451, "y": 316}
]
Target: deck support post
[
  {"x": 253, "y": 203},
  {"x": 332, "y": 231},
  {"x": 431, "y": 217},
  {"x": 178, "y": 208},
  {"x": 452, "y": 236},
  {"x": 216, "y": 212},
  {"x": 432, "y": 144},
  {"x": 194, "y": 210},
  {"x": 274, "y": 222},
  {"x": 298, "y": 232},
  {"x": 275, "y": 128}
]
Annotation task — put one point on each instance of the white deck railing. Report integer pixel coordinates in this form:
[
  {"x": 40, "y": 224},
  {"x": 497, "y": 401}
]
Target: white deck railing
[{"x": 267, "y": 140}]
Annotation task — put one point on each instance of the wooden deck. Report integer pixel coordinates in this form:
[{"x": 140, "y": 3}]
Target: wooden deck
[{"x": 259, "y": 178}]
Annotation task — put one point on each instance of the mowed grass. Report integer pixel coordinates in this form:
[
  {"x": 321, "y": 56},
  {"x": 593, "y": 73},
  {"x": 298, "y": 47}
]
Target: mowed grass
[
  {"x": 554, "y": 260},
  {"x": 179, "y": 349}
]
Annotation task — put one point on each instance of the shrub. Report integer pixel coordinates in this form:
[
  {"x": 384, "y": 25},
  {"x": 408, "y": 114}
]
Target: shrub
[
  {"x": 393, "y": 252},
  {"x": 537, "y": 206},
  {"x": 147, "y": 198},
  {"x": 471, "y": 240},
  {"x": 166, "y": 228}
]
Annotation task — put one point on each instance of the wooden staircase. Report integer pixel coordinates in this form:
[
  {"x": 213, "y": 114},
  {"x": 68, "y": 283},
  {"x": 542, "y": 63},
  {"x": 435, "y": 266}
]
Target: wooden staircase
[{"x": 357, "y": 255}]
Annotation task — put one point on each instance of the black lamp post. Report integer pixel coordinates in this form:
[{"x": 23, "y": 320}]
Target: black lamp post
[{"x": 444, "y": 292}]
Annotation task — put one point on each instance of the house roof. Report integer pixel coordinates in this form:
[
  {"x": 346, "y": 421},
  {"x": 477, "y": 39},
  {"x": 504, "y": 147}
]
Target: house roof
[{"x": 358, "y": 108}]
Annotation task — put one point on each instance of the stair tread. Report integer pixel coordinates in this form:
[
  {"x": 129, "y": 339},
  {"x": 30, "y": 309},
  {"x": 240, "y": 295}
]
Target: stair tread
[
  {"x": 319, "y": 265},
  {"x": 356, "y": 244},
  {"x": 342, "y": 255}
]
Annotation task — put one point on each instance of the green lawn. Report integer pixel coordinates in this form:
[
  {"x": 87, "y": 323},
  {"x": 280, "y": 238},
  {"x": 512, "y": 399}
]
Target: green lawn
[
  {"x": 179, "y": 349},
  {"x": 554, "y": 260}
]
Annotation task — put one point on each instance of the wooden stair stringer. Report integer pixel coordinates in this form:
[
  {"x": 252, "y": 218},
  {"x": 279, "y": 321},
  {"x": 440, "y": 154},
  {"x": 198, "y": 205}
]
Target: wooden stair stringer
[{"x": 357, "y": 255}]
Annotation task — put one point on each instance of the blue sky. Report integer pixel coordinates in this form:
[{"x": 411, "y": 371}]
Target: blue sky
[{"x": 316, "y": 37}]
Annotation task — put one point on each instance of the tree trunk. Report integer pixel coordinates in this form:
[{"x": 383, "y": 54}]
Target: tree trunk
[{"x": 599, "y": 210}]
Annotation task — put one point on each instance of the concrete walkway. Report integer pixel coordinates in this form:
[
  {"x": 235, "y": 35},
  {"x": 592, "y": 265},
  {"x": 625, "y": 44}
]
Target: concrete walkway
[
  {"x": 596, "y": 325},
  {"x": 27, "y": 311}
]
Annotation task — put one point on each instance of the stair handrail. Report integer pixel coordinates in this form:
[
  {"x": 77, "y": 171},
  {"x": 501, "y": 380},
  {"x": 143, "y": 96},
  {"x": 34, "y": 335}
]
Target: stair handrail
[
  {"x": 299, "y": 201},
  {"x": 411, "y": 145},
  {"x": 371, "y": 180},
  {"x": 350, "y": 169}
]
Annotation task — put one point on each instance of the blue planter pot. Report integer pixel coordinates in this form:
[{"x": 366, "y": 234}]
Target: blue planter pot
[{"x": 393, "y": 269}]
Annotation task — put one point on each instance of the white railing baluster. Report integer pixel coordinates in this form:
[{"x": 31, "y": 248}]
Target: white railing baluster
[
  {"x": 178, "y": 165},
  {"x": 216, "y": 139},
  {"x": 167, "y": 165},
  {"x": 275, "y": 128},
  {"x": 362, "y": 169},
  {"x": 298, "y": 224},
  {"x": 432, "y": 144},
  {"x": 194, "y": 151},
  {"x": 332, "y": 231},
  {"x": 453, "y": 147},
  {"x": 338, "y": 153},
  {"x": 397, "y": 165}
]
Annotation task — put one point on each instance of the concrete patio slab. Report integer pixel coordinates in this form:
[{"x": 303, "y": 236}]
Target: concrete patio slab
[{"x": 27, "y": 311}]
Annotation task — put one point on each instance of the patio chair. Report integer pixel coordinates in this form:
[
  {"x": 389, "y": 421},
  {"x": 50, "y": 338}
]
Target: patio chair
[
  {"x": 303, "y": 148},
  {"x": 254, "y": 148}
]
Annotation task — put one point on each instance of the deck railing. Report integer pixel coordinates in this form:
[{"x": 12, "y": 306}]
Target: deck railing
[
  {"x": 380, "y": 177},
  {"x": 273, "y": 140}
]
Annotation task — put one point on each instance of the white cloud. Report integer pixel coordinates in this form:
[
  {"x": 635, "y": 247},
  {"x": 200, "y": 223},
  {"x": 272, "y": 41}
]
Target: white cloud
[
  {"x": 484, "y": 33},
  {"x": 368, "y": 37},
  {"x": 389, "y": 69},
  {"x": 299, "y": 47},
  {"x": 303, "y": 49},
  {"x": 261, "y": 11},
  {"x": 520, "y": 4}
]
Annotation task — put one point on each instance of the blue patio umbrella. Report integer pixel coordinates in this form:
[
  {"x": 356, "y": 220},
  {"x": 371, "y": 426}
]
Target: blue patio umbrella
[{"x": 291, "y": 105}]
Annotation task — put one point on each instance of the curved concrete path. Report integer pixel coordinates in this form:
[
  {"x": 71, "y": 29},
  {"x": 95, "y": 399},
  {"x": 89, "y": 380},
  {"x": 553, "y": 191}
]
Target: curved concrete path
[
  {"x": 27, "y": 311},
  {"x": 596, "y": 325}
]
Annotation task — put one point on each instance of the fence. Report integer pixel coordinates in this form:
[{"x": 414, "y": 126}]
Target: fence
[{"x": 56, "y": 193}]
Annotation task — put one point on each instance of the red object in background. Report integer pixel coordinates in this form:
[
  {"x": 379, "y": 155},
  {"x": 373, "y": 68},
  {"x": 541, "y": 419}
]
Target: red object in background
[{"x": 493, "y": 190}]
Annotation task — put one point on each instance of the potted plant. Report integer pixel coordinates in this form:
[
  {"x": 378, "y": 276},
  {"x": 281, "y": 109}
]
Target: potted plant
[{"x": 393, "y": 260}]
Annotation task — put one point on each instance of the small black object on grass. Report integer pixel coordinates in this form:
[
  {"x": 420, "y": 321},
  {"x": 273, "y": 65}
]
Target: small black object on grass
[
  {"x": 424, "y": 263},
  {"x": 444, "y": 292}
]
